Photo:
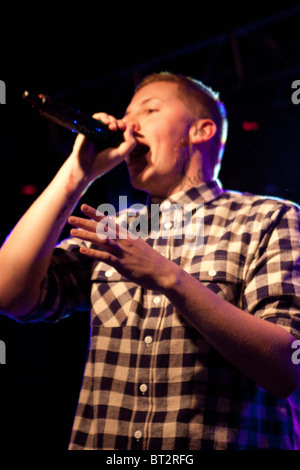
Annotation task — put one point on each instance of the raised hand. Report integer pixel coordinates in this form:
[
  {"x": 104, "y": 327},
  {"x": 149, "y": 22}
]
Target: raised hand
[
  {"x": 95, "y": 163},
  {"x": 129, "y": 255}
]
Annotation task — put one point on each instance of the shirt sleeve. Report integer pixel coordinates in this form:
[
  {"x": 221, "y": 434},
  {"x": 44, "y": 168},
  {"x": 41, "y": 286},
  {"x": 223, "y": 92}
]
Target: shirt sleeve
[
  {"x": 66, "y": 287},
  {"x": 272, "y": 286}
]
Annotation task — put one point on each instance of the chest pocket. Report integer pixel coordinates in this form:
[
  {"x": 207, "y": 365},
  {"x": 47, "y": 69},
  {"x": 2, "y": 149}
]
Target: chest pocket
[
  {"x": 112, "y": 296},
  {"x": 223, "y": 275}
]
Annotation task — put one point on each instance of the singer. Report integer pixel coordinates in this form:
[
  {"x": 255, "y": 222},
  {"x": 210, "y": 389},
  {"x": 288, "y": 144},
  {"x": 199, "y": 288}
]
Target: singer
[{"x": 190, "y": 348}]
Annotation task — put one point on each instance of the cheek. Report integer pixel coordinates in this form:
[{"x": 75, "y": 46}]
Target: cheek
[
  {"x": 180, "y": 155},
  {"x": 182, "y": 160},
  {"x": 171, "y": 161},
  {"x": 171, "y": 149}
]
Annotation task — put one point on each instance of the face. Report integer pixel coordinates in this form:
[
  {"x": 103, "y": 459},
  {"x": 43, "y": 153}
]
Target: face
[{"x": 162, "y": 125}]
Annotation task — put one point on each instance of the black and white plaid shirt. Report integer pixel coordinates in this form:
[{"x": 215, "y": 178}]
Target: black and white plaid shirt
[{"x": 152, "y": 381}]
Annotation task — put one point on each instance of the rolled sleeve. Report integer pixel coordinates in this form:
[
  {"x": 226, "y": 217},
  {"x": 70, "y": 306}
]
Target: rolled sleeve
[
  {"x": 272, "y": 287},
  {"x": 66, "y": 287}
]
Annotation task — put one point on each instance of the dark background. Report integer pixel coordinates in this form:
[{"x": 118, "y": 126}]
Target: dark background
[{"x": 92, "y": 57}]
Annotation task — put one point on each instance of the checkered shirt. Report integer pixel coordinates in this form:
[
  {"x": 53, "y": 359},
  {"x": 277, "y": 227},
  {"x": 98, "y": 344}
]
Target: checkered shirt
[{"x": 151, "y": 380}]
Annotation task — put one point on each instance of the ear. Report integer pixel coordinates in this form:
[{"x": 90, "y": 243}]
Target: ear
[{"x": 202, "y": 130}]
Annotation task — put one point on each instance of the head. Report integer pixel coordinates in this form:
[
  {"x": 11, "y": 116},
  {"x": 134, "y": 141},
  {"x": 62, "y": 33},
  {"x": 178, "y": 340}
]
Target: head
[{"x": 189, "y": 116}]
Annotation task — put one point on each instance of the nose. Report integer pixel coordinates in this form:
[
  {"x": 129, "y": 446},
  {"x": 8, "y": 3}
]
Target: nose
[{"x": 132, "y": 119}]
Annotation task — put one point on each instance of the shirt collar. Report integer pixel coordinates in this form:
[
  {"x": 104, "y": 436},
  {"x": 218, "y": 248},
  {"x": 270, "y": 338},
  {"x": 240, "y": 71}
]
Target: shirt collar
[{"x": 202, "y": 194}]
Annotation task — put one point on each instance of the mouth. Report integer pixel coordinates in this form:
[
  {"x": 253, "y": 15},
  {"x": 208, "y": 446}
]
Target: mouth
[{"x": 139, "y": 151}]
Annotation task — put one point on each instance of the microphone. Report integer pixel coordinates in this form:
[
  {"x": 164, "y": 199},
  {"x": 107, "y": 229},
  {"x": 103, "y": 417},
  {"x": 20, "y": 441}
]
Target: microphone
[{"x": 74, "y": 120}]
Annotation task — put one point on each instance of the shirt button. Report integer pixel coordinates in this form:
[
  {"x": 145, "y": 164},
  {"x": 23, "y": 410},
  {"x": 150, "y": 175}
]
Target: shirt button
[
  {"x": 148, "y": 339},
  {"x": 166, "y": 205},
  {"x": 109, "y": 273},
  {"x": 138, "y": 435},
  {"x": 156, "y": 300},
  {"x": 143, "y": 388},
  {"x": 212, "y": 272}
]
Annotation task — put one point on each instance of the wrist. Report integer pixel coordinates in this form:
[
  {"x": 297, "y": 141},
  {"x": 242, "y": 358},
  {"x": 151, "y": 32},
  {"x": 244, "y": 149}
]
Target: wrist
[
  {"x": 77, "y": 180},
  {"x": 170, "y": 282}
]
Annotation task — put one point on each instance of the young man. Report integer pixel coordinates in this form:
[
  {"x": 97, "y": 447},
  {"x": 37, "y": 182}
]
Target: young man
[{"x": 191, "y": 345}]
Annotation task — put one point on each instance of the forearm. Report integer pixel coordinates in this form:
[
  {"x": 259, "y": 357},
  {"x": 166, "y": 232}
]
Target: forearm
[
  {"x": 258, "y": 348},
  {"x": 26, "y": 254}
]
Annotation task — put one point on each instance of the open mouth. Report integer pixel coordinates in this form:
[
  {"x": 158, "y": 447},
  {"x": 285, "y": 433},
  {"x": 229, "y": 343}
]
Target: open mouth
[{"x": 139, "y": 151}]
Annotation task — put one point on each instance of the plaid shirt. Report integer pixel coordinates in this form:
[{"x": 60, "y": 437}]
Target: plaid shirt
[{"x": 151, "y": 380}]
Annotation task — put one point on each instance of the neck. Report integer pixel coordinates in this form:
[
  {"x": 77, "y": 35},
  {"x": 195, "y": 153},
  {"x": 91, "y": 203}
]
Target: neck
[
  {"x": 195, "y": 176},
  {"x": 191, "y": 180},
  {"x": 188, "y": 182}
]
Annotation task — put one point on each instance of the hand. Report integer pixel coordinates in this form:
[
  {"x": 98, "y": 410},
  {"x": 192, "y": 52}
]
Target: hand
[
  {"x": 95, "y": 163},
  {"x": 132, "y": 257}
]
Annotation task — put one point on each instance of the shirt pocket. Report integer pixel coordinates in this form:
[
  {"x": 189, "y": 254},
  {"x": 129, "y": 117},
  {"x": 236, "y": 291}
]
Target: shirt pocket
[
  {"x": 221, "y": 274},
  {"x": 111, "y": 297}
]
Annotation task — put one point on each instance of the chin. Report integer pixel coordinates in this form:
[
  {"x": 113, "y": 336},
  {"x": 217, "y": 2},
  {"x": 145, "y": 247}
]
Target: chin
[
  {"x": 139, "y": 181},
  {"x": 140, "y": 186}
]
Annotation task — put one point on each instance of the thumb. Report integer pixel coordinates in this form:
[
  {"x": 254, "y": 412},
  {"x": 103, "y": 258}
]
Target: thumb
[{"x": 129, "y": 142}]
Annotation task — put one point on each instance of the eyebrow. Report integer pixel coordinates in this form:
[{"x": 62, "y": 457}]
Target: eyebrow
[{"x": 145, "y": 101}]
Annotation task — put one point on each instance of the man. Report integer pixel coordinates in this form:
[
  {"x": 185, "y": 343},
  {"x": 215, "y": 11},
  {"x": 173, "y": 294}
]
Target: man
[{"x": 191, "y": 345}]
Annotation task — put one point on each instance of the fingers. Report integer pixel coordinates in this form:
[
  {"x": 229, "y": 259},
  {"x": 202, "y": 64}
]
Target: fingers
[
  {"x": 118, "y": 124},
  {"x": 87, "y": 230},
  {"x": 106, "y": 224},
  {"x": 101, "y": 230},
  {"x": 113, "y": 123},
  {"x": 85, "y": 235},
  {"x": 94, "y": 230},
  {"x": 89, "y": 211},
  {"x": 108, "y": 258}
]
